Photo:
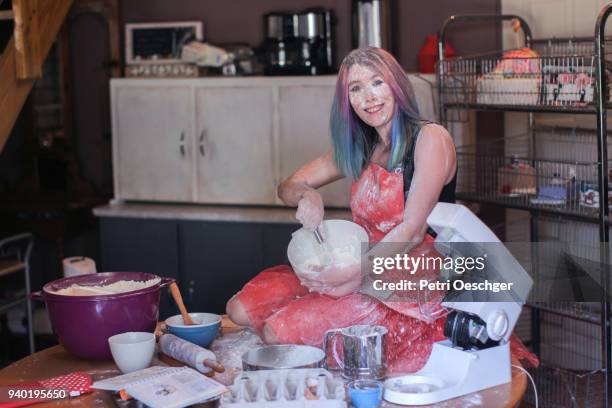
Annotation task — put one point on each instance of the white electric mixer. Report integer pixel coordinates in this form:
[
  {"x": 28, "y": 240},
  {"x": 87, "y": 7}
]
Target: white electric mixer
[{"x": 476, "y": 354}]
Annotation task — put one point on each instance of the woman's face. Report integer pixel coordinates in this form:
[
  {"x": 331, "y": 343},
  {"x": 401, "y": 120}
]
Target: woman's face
[{"x": 370, "y": 96}]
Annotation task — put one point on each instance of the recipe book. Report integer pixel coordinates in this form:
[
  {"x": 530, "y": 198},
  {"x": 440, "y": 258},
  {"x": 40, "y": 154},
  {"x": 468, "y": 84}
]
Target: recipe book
[{"x": 165, "y": 387}]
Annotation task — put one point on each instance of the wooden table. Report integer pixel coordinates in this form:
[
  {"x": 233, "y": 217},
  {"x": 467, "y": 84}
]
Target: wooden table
[{"x": 55, "y": 361}]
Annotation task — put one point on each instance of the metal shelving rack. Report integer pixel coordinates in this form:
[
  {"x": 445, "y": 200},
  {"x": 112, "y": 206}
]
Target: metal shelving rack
[
  {"x": 15, "y": 254},
  {"x": 556, "y": 81}
]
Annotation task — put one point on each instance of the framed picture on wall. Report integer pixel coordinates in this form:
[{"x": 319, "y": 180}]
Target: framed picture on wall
[{"x": 159, "y": 42}]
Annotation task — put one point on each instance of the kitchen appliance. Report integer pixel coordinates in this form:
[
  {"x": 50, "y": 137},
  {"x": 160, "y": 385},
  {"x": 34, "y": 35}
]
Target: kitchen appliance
[
  {"x": 159, "y": 43},
  {"x": 476, "y": 354},
  {"x": 371, "y": 23},
  {"x": 154, "y": 49},
  {"x": 83, "y": 324},
  {"x": 364, "y": 348},
  {"x": 299, "y": 43}
]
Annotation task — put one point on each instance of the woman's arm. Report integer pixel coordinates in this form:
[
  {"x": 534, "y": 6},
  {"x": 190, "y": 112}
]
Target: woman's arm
[
  {"x": 300, "y": 189},
  {"x": 317, "y": 173},
  {"x": 435, "y": 164}
]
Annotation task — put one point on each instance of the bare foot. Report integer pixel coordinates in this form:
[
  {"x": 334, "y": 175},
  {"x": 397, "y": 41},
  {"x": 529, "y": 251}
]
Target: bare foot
[
  {"x": 269, "y": 337},
  {"x": 236, "y": 312}
]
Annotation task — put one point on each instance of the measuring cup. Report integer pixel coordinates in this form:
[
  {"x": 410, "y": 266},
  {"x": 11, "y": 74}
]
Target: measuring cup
[{"x": 364, "y": 351}]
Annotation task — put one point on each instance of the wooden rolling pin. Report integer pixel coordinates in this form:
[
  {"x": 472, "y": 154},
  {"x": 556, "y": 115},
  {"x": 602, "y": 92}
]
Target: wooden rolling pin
[{"x": 191, "y": 354}]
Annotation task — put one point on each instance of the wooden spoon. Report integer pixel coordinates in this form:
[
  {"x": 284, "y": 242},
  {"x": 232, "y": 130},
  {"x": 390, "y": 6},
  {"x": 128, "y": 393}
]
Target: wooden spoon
[{"x": 176, "y": 294}]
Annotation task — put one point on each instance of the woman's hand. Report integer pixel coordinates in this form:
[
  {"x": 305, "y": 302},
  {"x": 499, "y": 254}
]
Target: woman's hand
[
  {"x": 333, "y": 280},
  {"x": 310, "y": 209}
]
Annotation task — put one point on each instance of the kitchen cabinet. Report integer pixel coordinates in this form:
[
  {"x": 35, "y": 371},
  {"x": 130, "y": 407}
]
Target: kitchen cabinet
[
  {"x": 276, "y": 239},
  {"x": 218, "y": 140},
  {"x": 304, "y": 134},
  {"x": 235, "y": 158},
  {"x": 224, "y": 140},
  {"x": 152, "y": 153},
  {"x": 134, "y": 245},
  {"x": 211, "y": 260},
  {"x": 217, "y": 260}
]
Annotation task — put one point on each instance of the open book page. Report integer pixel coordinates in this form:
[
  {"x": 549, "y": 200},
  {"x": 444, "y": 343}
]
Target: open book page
[
  {"x": 123, "y": 381},
  {"x": 182, "y": 387}
]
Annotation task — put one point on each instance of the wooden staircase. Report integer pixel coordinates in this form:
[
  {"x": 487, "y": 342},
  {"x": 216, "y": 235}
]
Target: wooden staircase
[{"x": 37, "y": 23}]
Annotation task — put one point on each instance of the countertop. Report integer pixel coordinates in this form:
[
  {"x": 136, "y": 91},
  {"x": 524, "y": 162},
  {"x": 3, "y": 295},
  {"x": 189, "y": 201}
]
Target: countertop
[
  {"x": 55, "y": 361},
  {"x": 193, "y": 212}
]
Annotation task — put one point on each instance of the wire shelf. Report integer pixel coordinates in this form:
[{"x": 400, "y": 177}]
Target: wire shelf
[
  {"x": 559, "y": 75},
  {"x": 558, "y": 388},
  {"x": 570, "y": 373},
  {"x": 554, "y": 170}
]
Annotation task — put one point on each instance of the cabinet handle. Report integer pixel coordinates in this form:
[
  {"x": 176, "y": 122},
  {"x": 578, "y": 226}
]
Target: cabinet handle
[
  {"x": 182, "y": 143},
  {"x": 191, "y": 289},
  {"x": 202, "y": 151}
]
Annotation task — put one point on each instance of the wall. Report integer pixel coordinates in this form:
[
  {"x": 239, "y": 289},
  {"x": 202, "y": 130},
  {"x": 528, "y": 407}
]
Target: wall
[
  {"x": 558, "y": 18},
  {"x": 242, "y": 21}
]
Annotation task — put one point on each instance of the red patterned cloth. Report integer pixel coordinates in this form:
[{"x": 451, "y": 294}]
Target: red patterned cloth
[{"x": 76, "y": 383}]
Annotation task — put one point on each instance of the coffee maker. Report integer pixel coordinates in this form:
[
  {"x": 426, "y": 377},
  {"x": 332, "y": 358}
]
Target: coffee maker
[{"x": 298, "y": 43}]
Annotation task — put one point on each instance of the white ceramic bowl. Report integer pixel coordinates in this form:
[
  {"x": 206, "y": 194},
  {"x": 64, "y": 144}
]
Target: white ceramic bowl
[
  {"x": 132, "y": 351},
  {"x": 339, "y": 235}
]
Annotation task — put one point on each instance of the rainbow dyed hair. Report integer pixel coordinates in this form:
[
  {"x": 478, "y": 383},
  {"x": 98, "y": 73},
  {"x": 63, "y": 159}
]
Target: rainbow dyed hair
[{"x": 353, "y": 140}]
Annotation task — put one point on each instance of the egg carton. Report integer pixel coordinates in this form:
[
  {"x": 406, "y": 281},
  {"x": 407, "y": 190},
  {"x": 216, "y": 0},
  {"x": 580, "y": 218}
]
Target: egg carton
[{"x": 295, "y": 388}]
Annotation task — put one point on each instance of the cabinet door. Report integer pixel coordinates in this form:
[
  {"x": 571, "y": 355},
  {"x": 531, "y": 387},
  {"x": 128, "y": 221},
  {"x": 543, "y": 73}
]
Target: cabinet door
[
  {"x": 276, "y": 239},
  {"x": 217, "y": 260},
  {"x": 153, "y": 134},
  {"x": 304, "y": 134},
  {"x": 134, "y": 245},
  {"x": 235, "y": 150}
]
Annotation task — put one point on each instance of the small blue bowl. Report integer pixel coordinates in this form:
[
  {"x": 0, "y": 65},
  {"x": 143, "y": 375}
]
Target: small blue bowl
[
  {"x": 202, "y": 333},
  {"x": 365, "y": 393}
]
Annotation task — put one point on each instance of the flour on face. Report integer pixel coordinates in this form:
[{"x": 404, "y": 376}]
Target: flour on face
[{"x": 371, "y": 97}]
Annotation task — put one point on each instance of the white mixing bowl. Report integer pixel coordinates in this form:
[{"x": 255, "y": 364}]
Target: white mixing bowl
[
  {"x": 341, "y": 237},
  {"x": 132, "y": 351}
]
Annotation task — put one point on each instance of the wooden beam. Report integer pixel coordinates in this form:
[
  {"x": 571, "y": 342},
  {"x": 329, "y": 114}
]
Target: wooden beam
[
  {"x": 51, "y": 17},
  {"x": 45, "y": 18},
  {"x": 27, "y": 38},
  {"x": 13, "y": 92}
]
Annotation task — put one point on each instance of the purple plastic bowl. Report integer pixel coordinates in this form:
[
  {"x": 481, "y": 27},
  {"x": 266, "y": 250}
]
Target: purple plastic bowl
[{"x": 83, "y": 324}]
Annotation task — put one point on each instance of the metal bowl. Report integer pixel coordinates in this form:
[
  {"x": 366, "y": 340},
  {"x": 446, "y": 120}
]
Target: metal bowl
[{"x": 282, "y": 356}]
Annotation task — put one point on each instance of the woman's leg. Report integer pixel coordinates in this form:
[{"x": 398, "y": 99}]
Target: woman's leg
[
  {"x": 305, "y": 320},
  {"x": 267, "y": 292}
]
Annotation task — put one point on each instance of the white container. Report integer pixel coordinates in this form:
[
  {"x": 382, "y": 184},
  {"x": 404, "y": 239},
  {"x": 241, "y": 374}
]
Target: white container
[
  {"x": 285, "y": 389},
  {"x": 132, "y": 351},
  {"x": 344, "y": 241},
  {"x": 78, "y": 265}
]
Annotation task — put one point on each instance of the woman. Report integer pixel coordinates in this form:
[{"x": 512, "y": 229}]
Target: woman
[{"x": 401, "y": 167}]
